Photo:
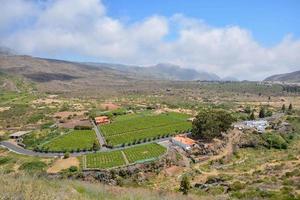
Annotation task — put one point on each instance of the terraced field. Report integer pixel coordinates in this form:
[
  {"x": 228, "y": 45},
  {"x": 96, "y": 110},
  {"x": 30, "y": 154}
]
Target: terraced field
[
  {"x": 134, "y": 127},
  {"x": 105, "y": 160},
  {"x": 144, "y": 152},
  {"x": 76, "y": 140},
  {"x": 115, "y": 158}
]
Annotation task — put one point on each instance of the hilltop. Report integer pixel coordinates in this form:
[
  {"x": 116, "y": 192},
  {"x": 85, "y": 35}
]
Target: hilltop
[{"x": 293, "y": 77}]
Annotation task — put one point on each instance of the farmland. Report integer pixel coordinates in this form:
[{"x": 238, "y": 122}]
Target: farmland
[
  {"x": 134, "y": 127},
  {"x": 115, "y": 158},
  {"x": 144, "y": 152},
  {"x": 73, "y": 141},
  {"x": 105, "y": 160}
]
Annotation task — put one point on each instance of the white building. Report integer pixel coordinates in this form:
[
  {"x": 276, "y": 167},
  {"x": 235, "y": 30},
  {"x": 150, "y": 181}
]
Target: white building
[
  {"x": 183, "y": 141},
  {"x": 259, "y": 125}
]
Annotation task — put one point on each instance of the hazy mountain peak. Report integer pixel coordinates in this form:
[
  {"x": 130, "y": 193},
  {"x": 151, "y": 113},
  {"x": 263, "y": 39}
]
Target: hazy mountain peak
[{"x": 292, "y": 77}]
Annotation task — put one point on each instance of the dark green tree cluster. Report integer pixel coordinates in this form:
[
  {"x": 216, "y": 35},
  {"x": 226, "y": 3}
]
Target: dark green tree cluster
[
  {"x": 210, "y": 123},
  {"x": 185, "y": 185},
  {"x": 289, "y": 111}
]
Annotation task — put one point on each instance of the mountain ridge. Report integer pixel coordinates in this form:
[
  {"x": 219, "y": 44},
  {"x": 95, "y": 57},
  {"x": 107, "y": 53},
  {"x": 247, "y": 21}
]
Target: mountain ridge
[{"x": 291, "y": 77}]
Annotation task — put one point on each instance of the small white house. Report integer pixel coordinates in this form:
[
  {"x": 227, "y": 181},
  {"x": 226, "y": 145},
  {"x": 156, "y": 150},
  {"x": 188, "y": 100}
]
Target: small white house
[
  {"x": 259, "y": 125},
  {"x": 183, "y": 141}
]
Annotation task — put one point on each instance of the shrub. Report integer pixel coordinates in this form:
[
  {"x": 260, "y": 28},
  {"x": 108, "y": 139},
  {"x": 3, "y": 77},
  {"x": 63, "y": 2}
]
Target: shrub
[
  {"x": 33, "y": 166},
  {"x": 236, "y": 186},
  {"x": 73, "y": 169},
  {"x": 66, "y": 155},
  {"x": 274, "y": 140},
  {"x": 4, "y": 160},
  {"x": 79, "y": 127}
]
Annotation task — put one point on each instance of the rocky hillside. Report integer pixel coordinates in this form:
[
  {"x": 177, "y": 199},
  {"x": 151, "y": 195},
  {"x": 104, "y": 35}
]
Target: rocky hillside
[{"x": 293, "y": 77}]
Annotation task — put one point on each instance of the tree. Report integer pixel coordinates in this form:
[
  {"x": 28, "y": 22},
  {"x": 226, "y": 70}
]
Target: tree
[
  {"x": 252, "y": 116},
  {"x": 290, "y": 107},
  {"x": 211, "y": 123},
  {"x": 96, "y": 145},
  {"x": 185, "y": 185},
  {"x": 262, "y": 112},
  {"x": 283, "y": 108},
  {"x": 66, "y": 155},
  {"x": 247, "y": 109}
]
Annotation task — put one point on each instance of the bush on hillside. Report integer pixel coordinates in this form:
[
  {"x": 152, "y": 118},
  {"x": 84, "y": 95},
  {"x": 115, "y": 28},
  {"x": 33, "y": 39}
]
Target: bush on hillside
[
  {"x": 34, "y": 166},
  {"x": 274, "y": 140}
]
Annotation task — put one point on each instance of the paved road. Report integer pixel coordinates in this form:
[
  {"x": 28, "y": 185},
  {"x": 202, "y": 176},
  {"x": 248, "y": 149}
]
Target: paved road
[
  {"x": 20, "y": 150},
  {"x": 100, "y": 137}
]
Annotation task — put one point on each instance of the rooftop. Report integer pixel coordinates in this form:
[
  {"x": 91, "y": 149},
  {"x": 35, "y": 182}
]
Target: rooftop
[
  {"x": 19, "y": 133},
  {"x": 184, "y": 139}
]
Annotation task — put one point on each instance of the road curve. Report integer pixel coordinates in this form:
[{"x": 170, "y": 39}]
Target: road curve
[{"x": 20, "y": 150}]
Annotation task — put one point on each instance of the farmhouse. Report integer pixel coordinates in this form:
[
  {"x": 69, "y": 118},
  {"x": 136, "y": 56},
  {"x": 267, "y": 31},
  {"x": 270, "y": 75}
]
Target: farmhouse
[
  {"x": 102, "y": 120},
  {"x": 18, "y": 134},
  {"x": 183, "y": 141}
]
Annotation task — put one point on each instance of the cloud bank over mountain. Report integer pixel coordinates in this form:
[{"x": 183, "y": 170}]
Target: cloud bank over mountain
[{"x": 83, "y": 29}]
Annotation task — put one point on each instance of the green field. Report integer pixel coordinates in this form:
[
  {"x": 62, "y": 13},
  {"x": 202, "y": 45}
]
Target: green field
[
  {"x": 105, "y": 160},
  {"x": 144, "y": 152},
  {"x": 115, "y": 158},
  {"x": 134, "y": 127},
  {"x": 73, "y": 141}
]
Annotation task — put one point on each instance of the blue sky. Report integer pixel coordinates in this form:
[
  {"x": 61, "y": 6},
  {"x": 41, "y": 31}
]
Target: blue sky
[
  {"x": 244, "y": 39},
  {"x": 268, "y": 20}
]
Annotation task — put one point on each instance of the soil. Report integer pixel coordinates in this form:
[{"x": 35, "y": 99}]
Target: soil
[
  {"x": 109, "y": 106},
  {"x": 173, "y": 170},
  {"x": 46, "y": 101},
  {"x": 62, "y": 164},
  {"x": 75, "y": 122},
  {"x": 66, "y": 114},
  {"x": 2, "y": 109}
]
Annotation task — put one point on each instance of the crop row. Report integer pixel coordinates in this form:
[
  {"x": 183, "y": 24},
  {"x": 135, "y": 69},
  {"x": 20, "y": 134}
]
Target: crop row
[
  {"x": 149, "y": 133},
  {"x": 140, "y": 123},
  {"x": 115, "y": 158}
]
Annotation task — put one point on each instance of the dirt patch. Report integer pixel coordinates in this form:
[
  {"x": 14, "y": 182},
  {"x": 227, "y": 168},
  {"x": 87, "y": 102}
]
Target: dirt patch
[
  {"x": 75, "y": 122},
  {"x": 47, "y": 101},
  {"x": 2, "y": 109},
  {"x": 66, "y": 114},
  {"x": 173, "y": 171},
  {"x": 62, "y": 164},
  {"x": 179, "y": 110},
  {"x": 109, "y": 106}
]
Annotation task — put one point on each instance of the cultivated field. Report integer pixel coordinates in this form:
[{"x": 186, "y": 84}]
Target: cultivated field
[
  {"x": 144, "y": 152},
  {"x": 134, "y": 127},
  {"x": 117, "y": 158},
  {"x": 105, "y": 160},
  {"x": 76, "y": 140}
]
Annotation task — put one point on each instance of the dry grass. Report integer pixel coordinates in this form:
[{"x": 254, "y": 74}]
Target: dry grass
[
  {"x": 62, "y": 164},
  {"x": 33, "y": 188}
]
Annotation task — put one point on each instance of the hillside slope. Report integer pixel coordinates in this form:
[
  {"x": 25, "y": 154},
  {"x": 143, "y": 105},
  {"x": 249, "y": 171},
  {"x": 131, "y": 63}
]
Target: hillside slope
[
  {"x": 163, "y": 71},
  {"x": 28, "y": 187},
  {"x": 293, "y": 77}
]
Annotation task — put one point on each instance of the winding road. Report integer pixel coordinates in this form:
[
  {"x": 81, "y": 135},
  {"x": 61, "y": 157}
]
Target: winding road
[{"x": 20, "y": 150}]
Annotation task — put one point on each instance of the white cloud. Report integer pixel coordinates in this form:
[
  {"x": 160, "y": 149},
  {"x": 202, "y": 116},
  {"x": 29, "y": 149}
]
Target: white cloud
[{"x": 82, "y": 27}]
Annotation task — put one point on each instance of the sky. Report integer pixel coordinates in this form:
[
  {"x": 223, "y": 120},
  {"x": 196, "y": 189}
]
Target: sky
[{"x": 243, "y": 39}]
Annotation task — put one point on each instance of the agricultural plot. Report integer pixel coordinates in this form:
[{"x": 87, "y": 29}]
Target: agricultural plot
[
  {"x": 104, "y": 160},
  {"x": 130, "y": 128},
  {"x": 115, "y": 158},
  {"x": 74, "y": 141},
  {"x": 144, "y": 152}
]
